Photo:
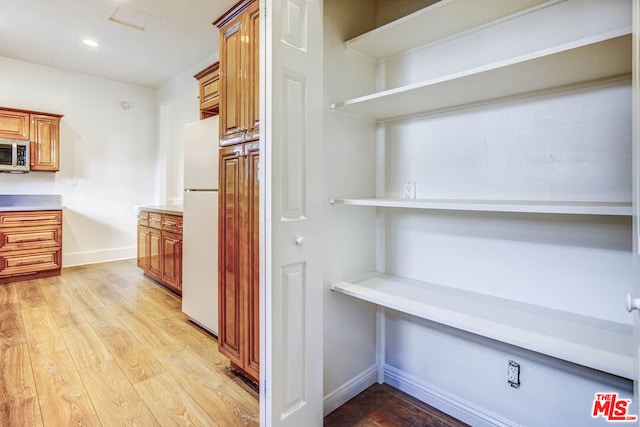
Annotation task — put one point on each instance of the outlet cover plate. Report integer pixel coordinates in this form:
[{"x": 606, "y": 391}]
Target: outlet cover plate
[
  {"x": 513, "y": 374},
  {"x": 409, "y": 190}
]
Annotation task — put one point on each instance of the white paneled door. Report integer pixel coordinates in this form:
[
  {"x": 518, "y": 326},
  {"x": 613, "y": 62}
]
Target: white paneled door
[
  {"x": 636, "y": 198},
  {"x": 291, "y": 189}
]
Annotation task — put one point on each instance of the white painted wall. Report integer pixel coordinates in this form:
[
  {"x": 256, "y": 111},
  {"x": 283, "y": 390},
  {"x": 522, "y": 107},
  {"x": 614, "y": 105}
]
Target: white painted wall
[
  {"x": 111, "y": 160},
  {"x": 569, "y": 145},
  {"x": 110, "y": 152},
  {"x": 177, "y": 105},
  {"x": 349, "y": 325},
  {"x": 466, "y": 376}
]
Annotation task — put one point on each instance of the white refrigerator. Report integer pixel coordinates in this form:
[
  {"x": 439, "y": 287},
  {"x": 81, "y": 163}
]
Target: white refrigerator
[{"x": 200, "y": 224}]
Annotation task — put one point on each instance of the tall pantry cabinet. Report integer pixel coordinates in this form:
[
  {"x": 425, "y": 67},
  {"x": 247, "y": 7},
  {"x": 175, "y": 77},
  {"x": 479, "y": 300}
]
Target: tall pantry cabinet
[
  {"x": 238, "y": 283},
  {"x": 488, "y": 217}
]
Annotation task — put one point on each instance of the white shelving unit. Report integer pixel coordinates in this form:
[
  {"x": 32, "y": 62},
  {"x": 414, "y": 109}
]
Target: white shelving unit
[
  {"x": 589, "y": 341},
  {"x": 598, "y": 344},
  {"x": 582, "y": 61},
  {"x": 544, "y": 207},
  {"x": 401, "y": 36}
]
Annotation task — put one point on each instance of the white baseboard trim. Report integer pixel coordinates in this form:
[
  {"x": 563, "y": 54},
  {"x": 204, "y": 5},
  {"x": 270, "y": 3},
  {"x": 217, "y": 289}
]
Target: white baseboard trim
[
  {"x": 446, "y": 402},
  {"x": 350, "y": 389},
  {"x": 93, "y": 257}
]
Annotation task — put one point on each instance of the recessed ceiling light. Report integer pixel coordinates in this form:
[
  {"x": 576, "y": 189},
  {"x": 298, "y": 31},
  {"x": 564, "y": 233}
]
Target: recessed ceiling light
[{"x": 91, "y": 43}]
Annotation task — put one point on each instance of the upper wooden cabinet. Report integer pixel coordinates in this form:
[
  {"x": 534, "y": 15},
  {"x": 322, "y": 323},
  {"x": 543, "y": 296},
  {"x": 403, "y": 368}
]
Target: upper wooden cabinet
[
  {"x": 42, "y": 129},
  {"x": 209, "y": 80},
  {"x": 239, "y": 73},
  {"x": 45, "y": 146},
  {"x": 14, "y": 124}
]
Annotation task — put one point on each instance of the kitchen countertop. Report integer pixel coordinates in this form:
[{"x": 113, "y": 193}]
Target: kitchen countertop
[
  {"x": 30, "y": 202},
  {"x": 170, "y": 208}
]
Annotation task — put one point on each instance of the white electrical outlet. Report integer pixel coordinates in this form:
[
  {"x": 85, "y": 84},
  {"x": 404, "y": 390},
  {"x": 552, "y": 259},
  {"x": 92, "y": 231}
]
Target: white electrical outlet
[
  {"x": 409, "y": 190},
  {"x": 513, "y": 374}
]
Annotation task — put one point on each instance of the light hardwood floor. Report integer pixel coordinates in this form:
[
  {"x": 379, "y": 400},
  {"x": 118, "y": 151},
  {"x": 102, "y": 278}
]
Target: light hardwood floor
[{"x": 102, "y": 345}]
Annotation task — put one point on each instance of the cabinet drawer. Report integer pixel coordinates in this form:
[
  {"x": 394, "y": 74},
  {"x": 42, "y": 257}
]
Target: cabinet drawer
[
  {"x": 155, "y": 220},
  {"x": 170, "y": 222},
  {"x": 30, "y": 238},
  {"x": 25, "y": 262},
  {"x": 210, "y": 92},
  {"x": 30, "y": 218},
  {"x": 143, "y": 218}
]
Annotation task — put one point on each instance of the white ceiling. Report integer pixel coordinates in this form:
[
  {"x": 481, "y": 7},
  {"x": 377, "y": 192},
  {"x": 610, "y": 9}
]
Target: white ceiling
[{"x": 50, "y": 32}]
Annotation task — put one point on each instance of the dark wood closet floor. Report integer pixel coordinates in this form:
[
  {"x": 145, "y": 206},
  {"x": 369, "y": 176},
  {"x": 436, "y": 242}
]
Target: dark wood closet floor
[{"x": 384, "y": 406}]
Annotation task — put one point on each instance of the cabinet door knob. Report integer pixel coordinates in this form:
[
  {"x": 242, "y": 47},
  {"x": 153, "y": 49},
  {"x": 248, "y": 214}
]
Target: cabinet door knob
[
  {"x": 300, "y": 241},
  {"x": 632, "y": 303}
]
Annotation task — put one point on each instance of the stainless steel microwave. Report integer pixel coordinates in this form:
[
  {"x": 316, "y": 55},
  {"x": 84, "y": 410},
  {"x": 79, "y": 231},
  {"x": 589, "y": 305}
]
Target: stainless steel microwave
[{"x": 14, "y": 155}]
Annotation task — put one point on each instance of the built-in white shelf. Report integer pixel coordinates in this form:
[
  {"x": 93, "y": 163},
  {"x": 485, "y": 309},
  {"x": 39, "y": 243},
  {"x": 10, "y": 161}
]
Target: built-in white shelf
[
  {"x": 436, "y": 22},
  {"x": 587, "y": 60},
  {"x": 595, "y": 343},
  {"x": 574, "y": 208}
]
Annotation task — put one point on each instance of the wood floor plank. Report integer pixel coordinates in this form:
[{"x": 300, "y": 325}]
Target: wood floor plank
[
  {"x": 170, "y": 404},
  {"x": 104, "y": 345},
  {"x": 147, "y": 332},
  {"x": 164, "y": 297},
  {"x": 58, "y": 299},
  {"x": 140, "y": 303},
  {"x": 8, "y": 294},
  {"x": 16, "y": 375},
  {"x": 189, "y": 333},
  {"x": 133, "y": 358},
  {"x": 11, "y": 326},
  {"x": 63, "y": 398},
  {"x": 49, "y": 281},
  {"x": 220, "y": 399},
  {"x": 106, "y": 293},
  {"x": 132, "y": 275},
  {"x": 69, "y": 320},
  {"x": 84, "y": 298},
  {"x": 70, "y": 279},
  {"x": 84, "y": 345},
  {"x": 99, "y": 314},
  {"x": 24, "y": 412},
  {"x": 382, "y": 405},
  {"x": 116, "y": 401},
  {"x": 29, "y": 294},
  {"x": 210, "y": 354},
  {"x": 41, "y": 330}
]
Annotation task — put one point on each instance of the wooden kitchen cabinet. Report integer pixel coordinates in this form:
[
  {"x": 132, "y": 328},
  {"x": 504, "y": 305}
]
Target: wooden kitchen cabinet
[
  {"x": 239, "y": 73},
  {"x": 45, "y": 143},
  {"x": 160, "y": 248},
  {"x": 42, "y": 129},
  {"x": 14, "y": 124},
  {"x": 30, "y": 245},
  {"x": 209, "y": 81},
  {"x": 172, "y": 260},
  {"x": 238, "y": 274}
]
